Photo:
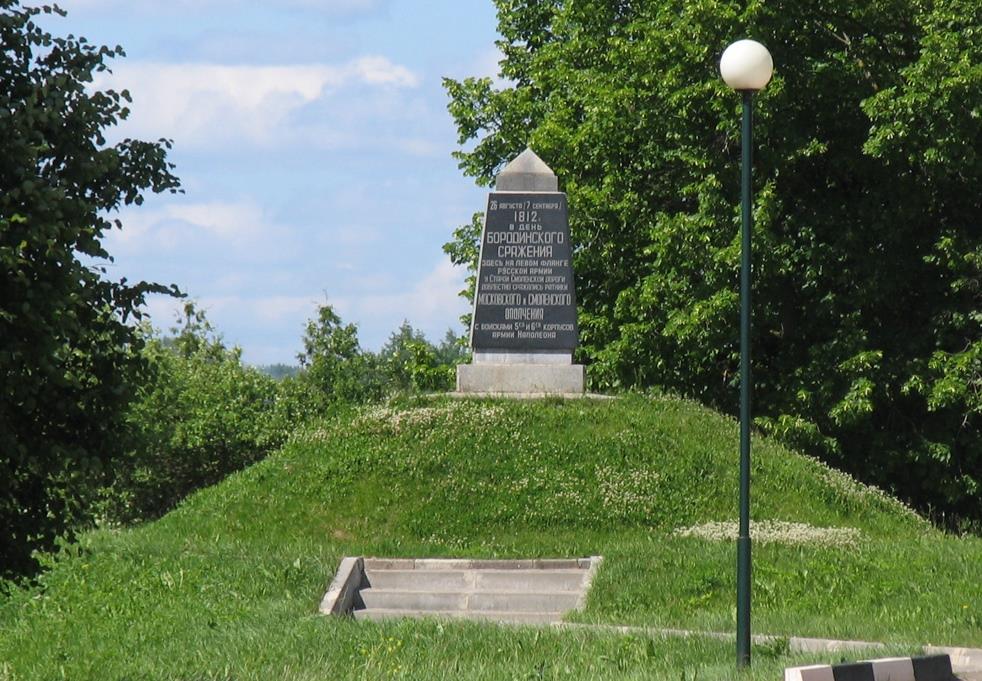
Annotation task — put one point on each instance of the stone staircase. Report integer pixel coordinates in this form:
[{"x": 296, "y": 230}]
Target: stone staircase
[{"x": 509, "y": 591}]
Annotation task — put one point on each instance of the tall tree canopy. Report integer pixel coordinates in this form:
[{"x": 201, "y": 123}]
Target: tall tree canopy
[
  {"x": 67, "y": 360},
  {"x": 868, "y": 244}
]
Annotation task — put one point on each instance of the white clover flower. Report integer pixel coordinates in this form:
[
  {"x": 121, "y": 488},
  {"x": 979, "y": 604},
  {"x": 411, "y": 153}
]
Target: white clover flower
[
  {"x": 777, "y": 532},
  {"x": 849, "y": 487},
  {"x": 397, "y": 419}
]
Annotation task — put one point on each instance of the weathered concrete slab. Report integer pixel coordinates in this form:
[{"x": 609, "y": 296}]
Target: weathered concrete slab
[
  {"x": 520, "y": 618},
  {"x": 537, "y": 357},
  {"x": 527, "y": 173},
  {"x": 547, "y": 379},
  {"x": 342, "y": 594},
  {"x": 816, "y": 672}
]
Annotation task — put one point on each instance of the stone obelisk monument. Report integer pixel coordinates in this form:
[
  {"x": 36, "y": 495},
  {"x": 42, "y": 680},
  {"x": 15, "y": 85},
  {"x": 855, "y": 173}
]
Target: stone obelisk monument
[{"x": 524, "y": 328}]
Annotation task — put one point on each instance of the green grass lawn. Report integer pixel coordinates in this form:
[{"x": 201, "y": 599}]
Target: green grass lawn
[{"x": 227, "y": 586}]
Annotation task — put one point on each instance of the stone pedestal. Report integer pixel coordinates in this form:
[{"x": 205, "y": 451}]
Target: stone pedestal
[{"x": 547, "y": 373}]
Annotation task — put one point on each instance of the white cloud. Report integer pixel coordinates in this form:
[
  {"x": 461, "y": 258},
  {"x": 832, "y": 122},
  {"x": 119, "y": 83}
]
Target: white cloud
[
  {"x": 326, "y": 6},
  {"x": 212, "y": 105},
  {"x": 431, "y": 305},
  {"x": 487, "y": 64},
  {"x": 163, "y": 311},
  {"x": 283, "y": 309},
  {"x": 219, "y": 228}
]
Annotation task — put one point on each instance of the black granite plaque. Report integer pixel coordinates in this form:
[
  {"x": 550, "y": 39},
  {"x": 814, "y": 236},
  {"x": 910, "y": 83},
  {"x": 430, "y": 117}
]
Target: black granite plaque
[
  {"x": 525, "y": 298},
  {"x": 932, "y": 667},
  {"x": 853, "y": 671}
]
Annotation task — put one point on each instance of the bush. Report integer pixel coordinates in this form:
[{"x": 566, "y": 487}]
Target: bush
[
  {"x": 334, "y": 368},
  {"x": 412, "y": 364},
  {"x": 201, "y": 416}
]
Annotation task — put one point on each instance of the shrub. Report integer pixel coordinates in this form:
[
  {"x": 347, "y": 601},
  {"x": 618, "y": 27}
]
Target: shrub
[{"x": 202, "y": 415}]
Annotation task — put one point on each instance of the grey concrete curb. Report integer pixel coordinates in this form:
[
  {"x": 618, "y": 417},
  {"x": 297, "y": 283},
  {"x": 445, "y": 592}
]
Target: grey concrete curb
[
  {"x": 595, "y": 562},
  {"x": 480, "y": 564},
  {"x": 926, "y": 668},
  {"x": 796, "y": 644},
  {"x": 341, "y": 594},
  {"x": 962, "y": 659}
]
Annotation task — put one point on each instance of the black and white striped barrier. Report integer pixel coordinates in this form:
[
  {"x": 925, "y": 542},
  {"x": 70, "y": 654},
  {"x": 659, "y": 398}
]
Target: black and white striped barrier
[{"x": 927, "y": 668}]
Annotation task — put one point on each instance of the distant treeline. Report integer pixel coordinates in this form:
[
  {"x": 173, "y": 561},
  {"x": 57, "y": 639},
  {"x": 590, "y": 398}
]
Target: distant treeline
[
  {"x": 202, "y": 413},
  {"x": 279, "y": 371}
]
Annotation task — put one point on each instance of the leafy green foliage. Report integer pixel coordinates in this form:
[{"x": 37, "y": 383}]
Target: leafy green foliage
[
  {"x": 410, "y": 363},
  {"x": 867, "y": 235},
  {"x": 68, "y": 359},
  {"x": 226, "y": 585},
  {"x": 201, "y": 416},
  {"x": 335, "y": 370},
  {"x": 464, "y": 249}
]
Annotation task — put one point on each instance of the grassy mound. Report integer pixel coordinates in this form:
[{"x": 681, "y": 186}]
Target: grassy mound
[{"x": 227, "y": 586}]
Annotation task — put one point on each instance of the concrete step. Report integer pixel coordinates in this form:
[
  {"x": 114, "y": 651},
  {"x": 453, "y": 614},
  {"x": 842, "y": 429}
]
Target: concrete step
[
  {"x": 373, "y": 614},
  {"x": 391, "y": 599},
  {"x": 523, "y": 601},
  {"x": 476, "y": 564},
  {"x": 420, "y": 580},
  {"x": 499, "y": 601},
  {"x": 531, "y": 580},
  {"x": 482, "y": 580},
  {"x": 525, "y": 591}
]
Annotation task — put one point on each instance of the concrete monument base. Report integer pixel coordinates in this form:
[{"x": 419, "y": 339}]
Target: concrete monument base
[{"x": 546, "y": 379}]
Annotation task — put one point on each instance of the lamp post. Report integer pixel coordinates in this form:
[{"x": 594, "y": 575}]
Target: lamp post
[{"x": 746, "y": 66}]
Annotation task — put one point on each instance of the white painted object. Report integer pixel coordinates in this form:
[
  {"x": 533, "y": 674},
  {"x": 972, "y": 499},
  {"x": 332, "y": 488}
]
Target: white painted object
[
  {"x": 746, "y": 65},
  {"x": 815, "y": 672},
  {"x": 893, "y": 669}
]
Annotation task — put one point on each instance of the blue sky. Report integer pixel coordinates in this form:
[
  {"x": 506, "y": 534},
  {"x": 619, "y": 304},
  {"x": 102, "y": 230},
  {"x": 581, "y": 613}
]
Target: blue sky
[{"x": 314, "y": 145}]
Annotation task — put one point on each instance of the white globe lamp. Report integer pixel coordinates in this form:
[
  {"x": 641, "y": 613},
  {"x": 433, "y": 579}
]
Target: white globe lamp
[{"x": 746, "y": 65}]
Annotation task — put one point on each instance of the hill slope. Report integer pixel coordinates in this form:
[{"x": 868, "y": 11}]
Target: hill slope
[{"x": 227, "y": 585}]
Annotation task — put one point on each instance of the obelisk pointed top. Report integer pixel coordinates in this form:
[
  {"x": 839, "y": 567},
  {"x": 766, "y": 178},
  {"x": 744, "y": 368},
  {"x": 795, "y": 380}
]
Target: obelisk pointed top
[{"x": 527, "y": 173}]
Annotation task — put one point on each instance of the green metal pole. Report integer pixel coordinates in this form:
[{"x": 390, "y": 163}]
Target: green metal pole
[{"x": 743, "y": 540}]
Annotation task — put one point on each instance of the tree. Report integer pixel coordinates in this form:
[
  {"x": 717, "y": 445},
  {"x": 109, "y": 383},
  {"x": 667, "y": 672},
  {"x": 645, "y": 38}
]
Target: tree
[
  {"x": 397, "y": 355},
  {"x": 867, "y": 235},
  {"x": 927, "y": 132},
  {"x": 411, "y": 363},
  {"x": 68, "y": 358},
  {"x": 334, "y": 368},
  {"x": 200, "y": 415},
  {"x": 452, "y": 350}
]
